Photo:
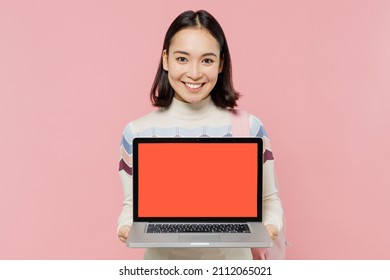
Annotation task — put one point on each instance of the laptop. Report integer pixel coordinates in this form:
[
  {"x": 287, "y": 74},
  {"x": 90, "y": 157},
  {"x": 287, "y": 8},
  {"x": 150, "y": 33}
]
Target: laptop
[{"x": 198, "y": 192}]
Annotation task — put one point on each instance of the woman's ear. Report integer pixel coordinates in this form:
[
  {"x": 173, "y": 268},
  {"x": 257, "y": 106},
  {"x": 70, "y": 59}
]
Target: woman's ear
[{"x": 165, "y": 60}]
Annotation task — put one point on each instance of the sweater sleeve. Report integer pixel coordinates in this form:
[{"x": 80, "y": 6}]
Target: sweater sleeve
[
  {"x": 272, "y": 206},
  {"x": 126, "y": 176}
]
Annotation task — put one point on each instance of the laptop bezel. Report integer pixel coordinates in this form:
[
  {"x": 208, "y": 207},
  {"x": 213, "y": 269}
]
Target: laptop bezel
[{"x": 151, "y": 140}]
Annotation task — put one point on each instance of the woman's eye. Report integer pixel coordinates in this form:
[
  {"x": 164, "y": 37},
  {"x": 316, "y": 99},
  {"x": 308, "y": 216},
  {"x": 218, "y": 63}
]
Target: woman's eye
[
  {"x": 208, "y": 61},
  {"x": 181, "y": 59}
]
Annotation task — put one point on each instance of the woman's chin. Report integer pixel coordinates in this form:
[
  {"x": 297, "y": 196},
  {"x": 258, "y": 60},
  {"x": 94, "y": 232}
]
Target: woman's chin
[{"x": 191, "y": 99}]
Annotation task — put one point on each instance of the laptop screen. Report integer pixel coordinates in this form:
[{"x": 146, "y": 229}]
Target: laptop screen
[{"x": 204, "y": 178}]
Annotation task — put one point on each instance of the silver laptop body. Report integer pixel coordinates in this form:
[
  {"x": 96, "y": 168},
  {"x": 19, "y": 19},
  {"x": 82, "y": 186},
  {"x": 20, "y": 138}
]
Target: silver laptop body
[{"x": 198, "y": 192}]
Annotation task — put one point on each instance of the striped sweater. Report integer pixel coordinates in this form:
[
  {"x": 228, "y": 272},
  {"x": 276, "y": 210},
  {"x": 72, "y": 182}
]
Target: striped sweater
[{"x": 201, "y": 119}]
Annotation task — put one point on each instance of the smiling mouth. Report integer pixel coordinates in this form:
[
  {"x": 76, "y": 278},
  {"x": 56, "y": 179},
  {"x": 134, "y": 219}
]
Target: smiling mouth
[{"x": 193, "y": 86}]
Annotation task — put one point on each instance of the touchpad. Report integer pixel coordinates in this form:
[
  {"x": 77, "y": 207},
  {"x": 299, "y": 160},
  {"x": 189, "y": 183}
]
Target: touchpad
[{"x": 199, "y": 237}]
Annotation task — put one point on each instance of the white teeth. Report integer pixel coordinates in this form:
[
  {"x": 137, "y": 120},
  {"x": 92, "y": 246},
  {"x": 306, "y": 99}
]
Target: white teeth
[{"x": 193, "y": 85}]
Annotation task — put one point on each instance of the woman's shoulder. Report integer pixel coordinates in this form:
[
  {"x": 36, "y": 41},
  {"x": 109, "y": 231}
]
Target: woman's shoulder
[
  {"x": 242, "y": 112},
  {"x": 133, "y": 127},
  {"x": 256, "y": 126}
]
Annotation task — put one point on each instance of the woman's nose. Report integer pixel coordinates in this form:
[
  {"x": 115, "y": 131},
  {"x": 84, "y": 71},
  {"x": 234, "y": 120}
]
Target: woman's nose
[{"x": 194, "y": 72}]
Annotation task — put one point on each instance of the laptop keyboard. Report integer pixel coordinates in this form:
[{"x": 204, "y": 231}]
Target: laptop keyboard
[{"x": 193, "y": 228}]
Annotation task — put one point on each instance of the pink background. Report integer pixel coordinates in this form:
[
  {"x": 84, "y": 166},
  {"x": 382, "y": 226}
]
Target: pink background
[{"x": 73, "y": 73}]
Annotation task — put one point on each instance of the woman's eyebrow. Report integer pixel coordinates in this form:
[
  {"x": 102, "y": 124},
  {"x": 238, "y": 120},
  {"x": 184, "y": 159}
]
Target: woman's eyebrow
[{"x": 186, "y": 53}]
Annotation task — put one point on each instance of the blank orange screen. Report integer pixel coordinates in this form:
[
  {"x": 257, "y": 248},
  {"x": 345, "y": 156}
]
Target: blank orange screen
[{"x": 197, "y": 180}]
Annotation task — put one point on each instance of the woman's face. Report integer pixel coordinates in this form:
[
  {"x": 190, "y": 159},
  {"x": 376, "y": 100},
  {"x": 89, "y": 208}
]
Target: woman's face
[{"x": 193, "y": 64}]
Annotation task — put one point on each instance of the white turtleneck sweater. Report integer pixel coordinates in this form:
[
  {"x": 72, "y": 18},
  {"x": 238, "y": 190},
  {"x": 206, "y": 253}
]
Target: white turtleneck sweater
[{"x": 183, "y": 119}]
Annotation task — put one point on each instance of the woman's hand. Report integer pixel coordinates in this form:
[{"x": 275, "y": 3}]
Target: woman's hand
[
  {"x": 272, "y": 231},
  {"x": 123, "y": 233}
]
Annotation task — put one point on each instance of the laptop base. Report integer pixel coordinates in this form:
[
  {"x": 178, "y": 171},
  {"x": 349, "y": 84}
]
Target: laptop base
[{"x": 199, "y": 240}]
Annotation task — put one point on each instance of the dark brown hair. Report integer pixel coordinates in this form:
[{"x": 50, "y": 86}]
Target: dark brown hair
[{"x": 223, "y": 93}]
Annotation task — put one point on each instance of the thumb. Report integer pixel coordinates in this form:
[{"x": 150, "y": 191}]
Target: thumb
[
  {"x": 272, "y": 231},
  {"x": 123, "y": 233}
]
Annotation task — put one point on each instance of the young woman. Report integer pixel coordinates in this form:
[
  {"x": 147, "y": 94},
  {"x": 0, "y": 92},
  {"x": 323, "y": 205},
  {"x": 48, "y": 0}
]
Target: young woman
[{"x": 194, "y": 93}]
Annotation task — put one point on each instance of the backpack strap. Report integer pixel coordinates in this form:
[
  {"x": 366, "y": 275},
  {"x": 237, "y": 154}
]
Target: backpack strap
[
  {"x": 240, "y": 127},
  {"x": 240, "y": 122}
]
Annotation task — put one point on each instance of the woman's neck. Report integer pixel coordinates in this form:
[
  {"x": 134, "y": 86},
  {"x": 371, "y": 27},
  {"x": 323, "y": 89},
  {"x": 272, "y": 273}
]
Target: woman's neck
[{"x": 200, "y": 110}]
